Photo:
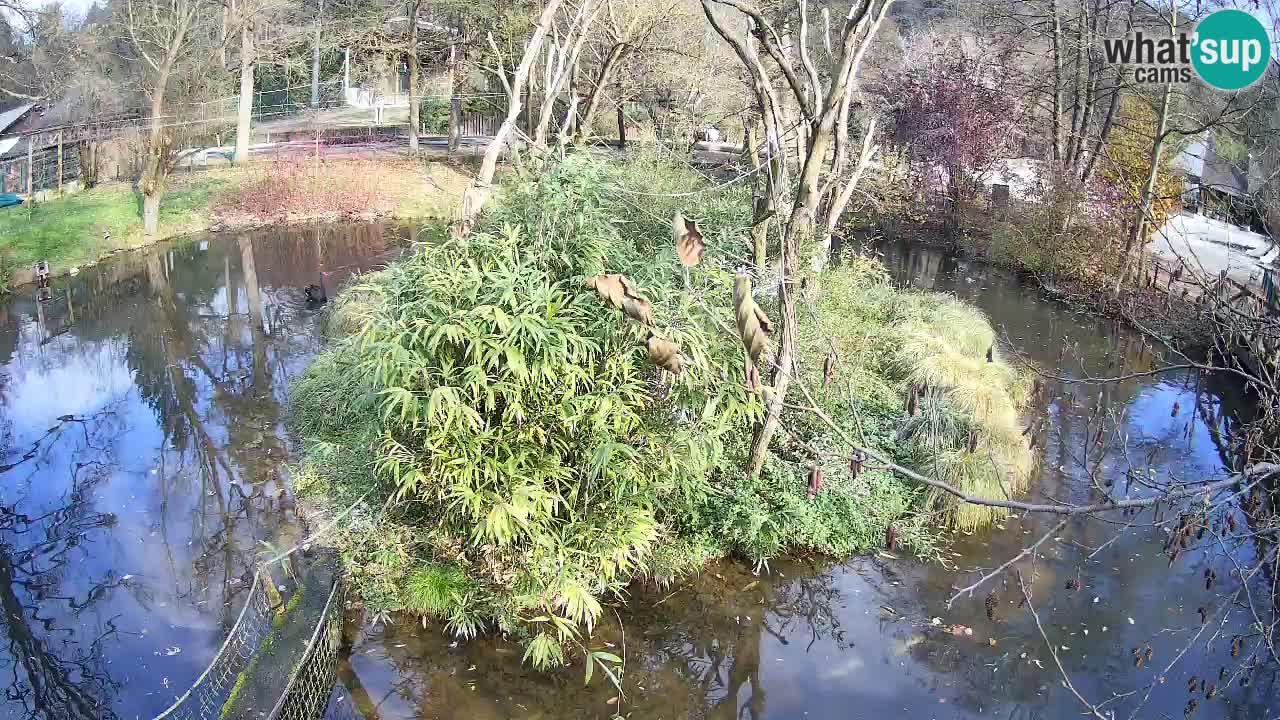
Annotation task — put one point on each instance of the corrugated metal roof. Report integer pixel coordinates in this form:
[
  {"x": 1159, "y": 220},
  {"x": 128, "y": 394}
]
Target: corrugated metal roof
[{"x": 10, "y": 117}]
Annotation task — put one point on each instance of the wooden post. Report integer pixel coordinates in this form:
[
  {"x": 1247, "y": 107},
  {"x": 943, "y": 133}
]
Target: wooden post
[
  {"x": 622, "y": 128},
  {"x": 59, "y": 162}
]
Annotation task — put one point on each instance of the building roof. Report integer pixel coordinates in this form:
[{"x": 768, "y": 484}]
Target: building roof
[
  {"x": 1200, "y": 159},
  {"x": 13, "y": 115}
]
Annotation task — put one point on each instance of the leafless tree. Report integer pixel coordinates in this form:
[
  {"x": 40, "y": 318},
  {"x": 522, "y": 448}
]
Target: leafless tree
[
  {"x": 477, "y": 194},
  {"x": 162, "y": 33},
  {"x": 824, "y": 100}
]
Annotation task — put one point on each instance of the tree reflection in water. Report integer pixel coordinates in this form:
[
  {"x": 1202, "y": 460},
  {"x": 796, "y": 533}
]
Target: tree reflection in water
[{"x": 141, "y": 437}]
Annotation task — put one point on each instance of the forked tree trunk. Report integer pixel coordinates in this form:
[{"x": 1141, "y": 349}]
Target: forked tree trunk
[
  {"x": 477, "y": 194},
  {"x": 156, "y": 169},
  {"x": 597, "y": 92}
]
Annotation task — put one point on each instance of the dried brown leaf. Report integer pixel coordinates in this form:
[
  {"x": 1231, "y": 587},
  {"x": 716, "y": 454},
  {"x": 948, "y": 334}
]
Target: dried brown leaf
[
  {"x": 664, "y": 353},
  {"x": 748, "y": 315},
  {"x": 688, "y": 239}
]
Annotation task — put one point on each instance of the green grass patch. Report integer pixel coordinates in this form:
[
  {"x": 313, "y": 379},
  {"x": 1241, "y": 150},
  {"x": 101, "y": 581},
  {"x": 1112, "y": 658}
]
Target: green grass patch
[{"x": 69, "y": 231}]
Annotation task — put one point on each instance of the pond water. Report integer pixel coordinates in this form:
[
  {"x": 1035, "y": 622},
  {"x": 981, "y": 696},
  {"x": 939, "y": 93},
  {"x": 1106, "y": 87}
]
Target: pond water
[
  {"x": 816, "y": 639},
  {"x": 141, "y": 446}
]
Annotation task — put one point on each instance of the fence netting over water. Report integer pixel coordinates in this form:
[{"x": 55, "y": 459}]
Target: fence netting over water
[
  {"x": 212, "y": 689},
  {"x": 310, "y": 690},
  {"x": 277, "y": 663}
]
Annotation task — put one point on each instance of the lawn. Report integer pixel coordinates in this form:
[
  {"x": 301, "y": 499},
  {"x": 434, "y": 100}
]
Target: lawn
[
  {"x": 72, "y": 230},
  {"x": 78, "y": 229}
]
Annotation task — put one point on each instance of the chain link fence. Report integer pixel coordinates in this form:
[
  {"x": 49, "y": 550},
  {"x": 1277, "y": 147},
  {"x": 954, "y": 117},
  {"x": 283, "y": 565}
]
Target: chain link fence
[
  {"x": 212, "y": 689},
  {"x": 311, "y": 690}
]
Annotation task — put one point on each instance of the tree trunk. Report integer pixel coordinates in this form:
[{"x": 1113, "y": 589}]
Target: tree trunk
[
  {"x": 597, "y": 92},
  {"x": 477, "y": 194},
  {"x": 315, "y": 60},
  {"x": 1057, "y": 82},
  {"x": 1108, "y": 121},
  {"x": 155, "y": 171},
  {"x": 244, "y": 115},
  {"x": 413, "y": 102},
  {"x": 151, "y": 212},
  {"x": 841, "y": 201},
  {"x": 1076, "y": 136},
  {"x": 411, "y": 58},
  {"x": 1136, "y": 240},
  {"x": 762, "y": 202},
  {"x": 799, "y": 229}
]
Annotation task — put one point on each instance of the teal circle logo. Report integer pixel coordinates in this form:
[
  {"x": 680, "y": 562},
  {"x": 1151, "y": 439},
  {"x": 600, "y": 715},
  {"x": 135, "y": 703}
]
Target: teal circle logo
[{"x": 1231, "y": 49}]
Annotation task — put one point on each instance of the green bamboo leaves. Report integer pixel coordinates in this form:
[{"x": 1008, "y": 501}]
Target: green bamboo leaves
[{"x": 617, "y": 290}]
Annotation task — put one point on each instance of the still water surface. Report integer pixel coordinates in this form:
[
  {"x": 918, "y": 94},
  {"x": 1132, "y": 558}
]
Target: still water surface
[{"x": 141, "y": 446}]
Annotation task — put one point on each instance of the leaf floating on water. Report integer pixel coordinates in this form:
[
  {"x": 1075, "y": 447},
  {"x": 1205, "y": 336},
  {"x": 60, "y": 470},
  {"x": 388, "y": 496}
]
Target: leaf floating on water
[
  {"x": 612, "y": 701},
  {"x": 688, "y": 239},
  {"x": 1130, "y": 621},
  {"x": 750, "y": 585}
]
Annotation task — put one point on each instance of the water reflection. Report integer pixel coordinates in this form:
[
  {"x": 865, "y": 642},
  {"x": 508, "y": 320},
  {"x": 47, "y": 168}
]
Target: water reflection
[
  {"x": 859, "y": 639},
  {"x": 141, "y": 447}
]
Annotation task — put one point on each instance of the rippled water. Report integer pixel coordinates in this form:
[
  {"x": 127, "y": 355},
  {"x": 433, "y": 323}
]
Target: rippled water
[{"x": 141, "y": 455}]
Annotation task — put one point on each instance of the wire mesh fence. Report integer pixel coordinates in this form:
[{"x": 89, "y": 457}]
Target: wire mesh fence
[
  {"x": 205, "y": 699},
  {"x": 44, "y": 170},
  {"x": 311, "y": 690}
]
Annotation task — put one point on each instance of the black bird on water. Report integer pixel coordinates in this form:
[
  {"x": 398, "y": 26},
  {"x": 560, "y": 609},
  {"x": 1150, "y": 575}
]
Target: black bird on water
[{"x": 318, "y": 294}]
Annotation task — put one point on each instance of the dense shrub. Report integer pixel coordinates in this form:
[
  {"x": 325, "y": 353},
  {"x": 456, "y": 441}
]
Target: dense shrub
[
  {"x": 529, "y": 459},
  {"x": 433, "y": 113}
]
